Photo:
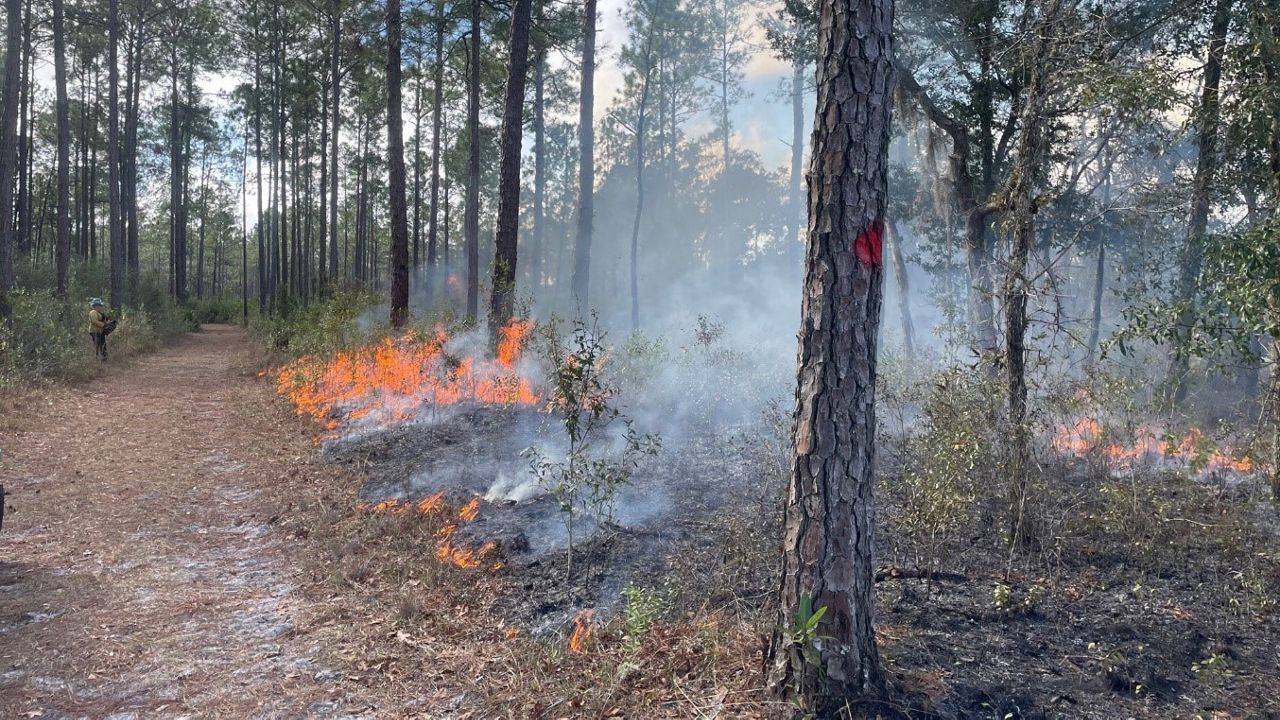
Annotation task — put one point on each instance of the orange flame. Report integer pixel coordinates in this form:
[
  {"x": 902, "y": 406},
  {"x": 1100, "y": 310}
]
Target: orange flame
[
  {"x": 465, "y": 558},
  {"x": 394, "y": 380},
  {"x": 581, "y": 631},
  {"x": 1085, "y": 436}
]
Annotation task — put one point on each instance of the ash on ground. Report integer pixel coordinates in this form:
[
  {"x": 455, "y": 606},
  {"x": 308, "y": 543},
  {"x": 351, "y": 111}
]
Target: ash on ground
[{"x": 671, "y": 514}]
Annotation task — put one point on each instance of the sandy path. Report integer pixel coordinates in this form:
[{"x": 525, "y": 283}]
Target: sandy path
[{"x": 141, "y": 574}]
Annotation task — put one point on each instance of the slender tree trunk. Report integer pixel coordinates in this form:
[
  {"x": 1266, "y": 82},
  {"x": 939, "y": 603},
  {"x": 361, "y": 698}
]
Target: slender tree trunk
[
  {"x": 257, "y": 170},
  {"x": 472, "y": 219},
  {"x": 1020, "y": 195},
  {"x": 417, "y": 171},
  {"x": 827, "y": 545},
  {"x": 586, "y": 162},
  {"x": 904, "y": 290},
  {"x": 113, "y": 156},
  {"x": 9, "y": 145},
  {"x": 244, "y": 227},
  {"x": 177, "y": 254},
  {"x": 437, "y": 108},
  {"x": 323, "y": 189},
  {"x": 335, "y": 79},
  {"x": 641, "y": 129},
  {"x": 62, "y": 246},
  {"x": 503, "y": 292},
  {"x": 129, "y": 171},
  {"x": 204, "y": 212},
  {"x": 1202, "y": 185},
  {"x": 395, "y": 161},
  {"x": 539, "y": 161},
  {"x": 25, "y": 113}
]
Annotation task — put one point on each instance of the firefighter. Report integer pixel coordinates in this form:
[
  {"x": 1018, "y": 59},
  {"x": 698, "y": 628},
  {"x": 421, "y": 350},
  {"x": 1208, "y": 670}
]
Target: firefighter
[{"x": 98, "y": 321}]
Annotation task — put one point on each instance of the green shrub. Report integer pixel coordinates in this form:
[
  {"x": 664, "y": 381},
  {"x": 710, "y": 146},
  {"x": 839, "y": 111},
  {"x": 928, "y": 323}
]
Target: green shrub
[
  {"x": 42, "y": 338},
  {"x": 220, "y": 310}
]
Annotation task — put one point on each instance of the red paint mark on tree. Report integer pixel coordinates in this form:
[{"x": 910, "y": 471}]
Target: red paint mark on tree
[{"x": 869, "y": 246}]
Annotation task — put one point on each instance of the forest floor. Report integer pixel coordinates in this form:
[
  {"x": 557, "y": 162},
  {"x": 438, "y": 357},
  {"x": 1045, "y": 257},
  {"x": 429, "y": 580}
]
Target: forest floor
[{"x": 142, "y": 573}]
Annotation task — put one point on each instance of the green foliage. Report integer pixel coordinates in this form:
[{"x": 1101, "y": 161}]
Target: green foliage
[
  {"x": 946, "y": 458},
  {"x": 803, "y": 633},
  {"x": 336, "y": 323},
  {"x": 46, "y": 337},
  {"x": 644, "y": 607},
  {"x": 219, "y": 310},
  {"x": 588, "y": 478}
]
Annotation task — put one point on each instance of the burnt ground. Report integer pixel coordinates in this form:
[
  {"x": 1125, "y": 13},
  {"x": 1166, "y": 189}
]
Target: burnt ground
[{"x": 1151, "y": 596}]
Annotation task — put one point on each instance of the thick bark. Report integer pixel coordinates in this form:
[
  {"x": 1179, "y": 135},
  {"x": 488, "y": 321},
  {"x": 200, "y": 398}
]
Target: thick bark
[
  {"x": 395, "y": 163},
  {"x": 113, "y": 156},
  {"x": 62, "y": 245},
  {"x": 471, "y": 221},
  {"x": 9, "y": 141},
  {"x": 827, "y": 544},
  {"x": 503, "y": 292},
  {"x": 1201, "y": 187},
  {"x": 586, "y": 162},
  {"x": 894, "y": 244}
]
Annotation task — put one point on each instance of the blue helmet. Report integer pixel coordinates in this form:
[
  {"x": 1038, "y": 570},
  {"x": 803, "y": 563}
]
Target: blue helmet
[{"x": 95, "y": 302}]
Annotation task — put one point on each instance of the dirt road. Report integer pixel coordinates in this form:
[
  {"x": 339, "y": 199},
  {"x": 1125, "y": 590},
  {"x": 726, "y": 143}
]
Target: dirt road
[{"x": 141, "y": 574}]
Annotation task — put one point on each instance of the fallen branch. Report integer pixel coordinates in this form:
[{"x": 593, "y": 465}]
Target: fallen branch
[{"x": 896, "y": 573}]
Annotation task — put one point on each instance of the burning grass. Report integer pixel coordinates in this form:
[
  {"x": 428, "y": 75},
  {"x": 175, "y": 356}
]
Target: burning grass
[
  {"x": 1193, "y": 451},
  {"x": 398, "y": 379}
]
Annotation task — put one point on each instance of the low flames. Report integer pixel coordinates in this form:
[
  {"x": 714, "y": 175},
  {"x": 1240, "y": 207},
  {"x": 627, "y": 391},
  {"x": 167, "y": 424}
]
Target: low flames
[
  {"x": 396, "y": 380},
  {"x": 581, "y": 631},
  {"x": 1086, "y": 437},
  {"x": 459, "y": 556}
]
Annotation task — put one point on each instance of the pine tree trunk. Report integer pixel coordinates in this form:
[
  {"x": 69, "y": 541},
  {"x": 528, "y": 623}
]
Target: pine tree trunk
[
  {"x": 827, "y": 545},
  {"x": 641, "y": 116},
  {"x": 323, "y": 189},
  {"x": 9, "y": 142},
  {"x": 335, "y": 78},
  {"x": 437, "y": 108},
  {"x": 395, "y": 163},
  {"x": 539, "y": 167},
  {"x": 417, "y": 171},
  {"x": 257, "y": 168},
  {"x": 62, "y": 246},
  {"x": 113, "y": 156},
  {"x": 472, "y": 219},
  {"x": 586, "y": 162},
  {"x": 1201, "y": 189},
  {"x": 503, "y": 292}
]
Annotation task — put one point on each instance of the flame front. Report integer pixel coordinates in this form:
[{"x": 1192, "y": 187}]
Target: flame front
[
  {"x": 581, "y": 631},
  {"x": 1085, "y": 436},
  {"x": 395, "y": 380},
  {"x": 465, "y": 558}
]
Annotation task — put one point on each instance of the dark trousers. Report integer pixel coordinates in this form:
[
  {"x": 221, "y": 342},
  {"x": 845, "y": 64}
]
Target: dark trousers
[{"x": 99, "y": 346}]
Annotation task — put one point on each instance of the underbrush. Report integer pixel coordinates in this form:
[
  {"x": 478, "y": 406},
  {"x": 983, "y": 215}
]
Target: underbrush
[
  {"x": 47, "y": 337},
  {"x": 324, "y": 326}
]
